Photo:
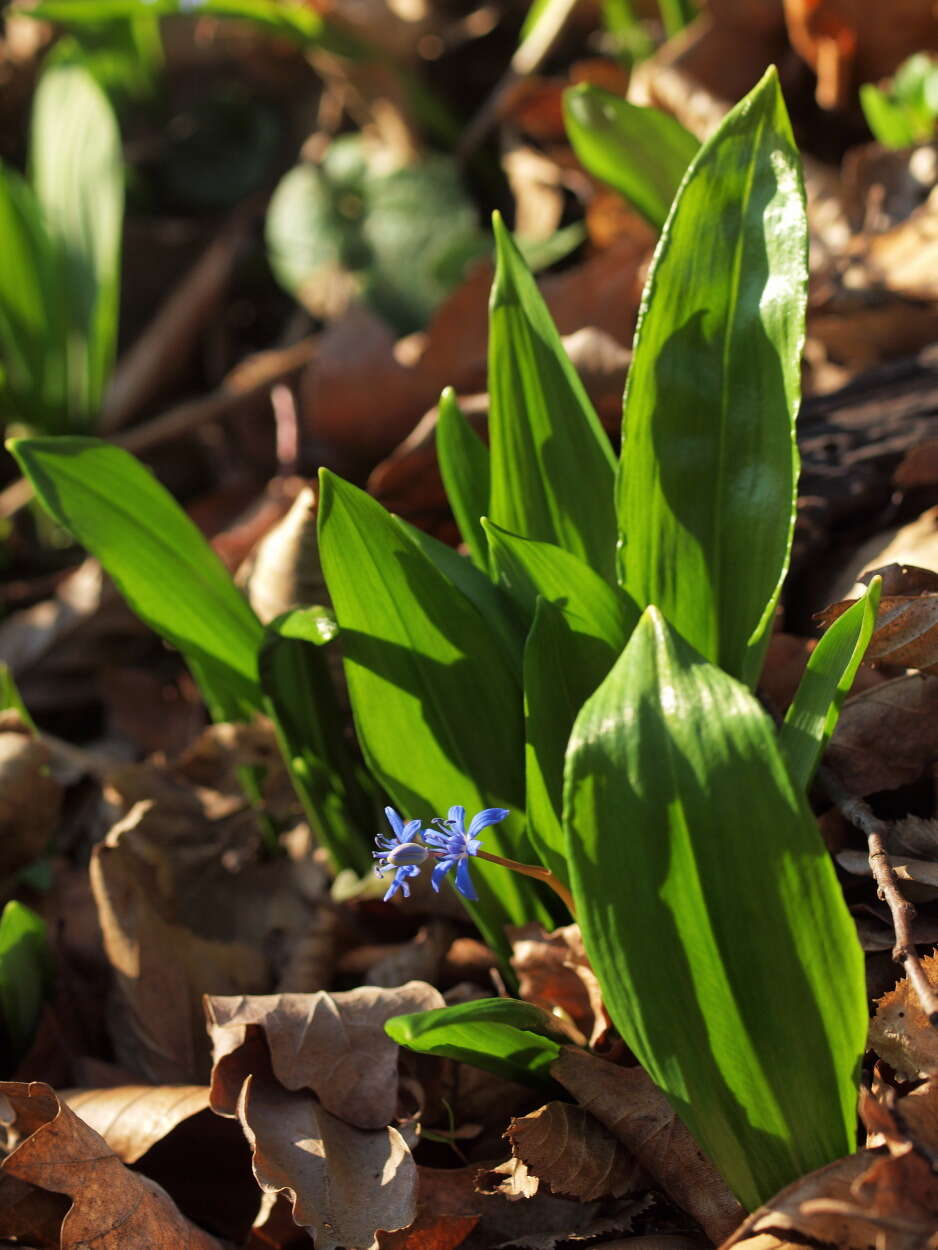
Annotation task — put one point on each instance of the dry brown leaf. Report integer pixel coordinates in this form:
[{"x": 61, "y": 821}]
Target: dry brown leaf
[
  {"x": 30, "y": 798},
  {"x": 573, "y": 1154},
  {"x": 332, "y": 1044},
  {"x": 900, "y": 1031},
  {"x": 283, "y": 570},
  {"x": 905, "y": 259},
  {"x": 112, "y": 1208},
  {"x": 161, "y": 971},
  {"x": 554, "y": 973},
  {"x": 786, "y": 1213},
  {"x": 511, "y": 1179},
  {"x": 887, "y": 736},
  {"x": 132, "y": 1118},
  {"x": 635, "y": 1111},
  {"x": 906, "y": 632},
  {"x": 344, "y": 1183}
]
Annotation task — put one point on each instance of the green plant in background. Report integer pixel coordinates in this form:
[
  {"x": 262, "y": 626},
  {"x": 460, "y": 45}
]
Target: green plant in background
[
  {"x": 25, "y": 976},
  {"x": 583, "y": 680},
  {"x": 905, "y": 112},
  {"x": 60, "y": 263}
]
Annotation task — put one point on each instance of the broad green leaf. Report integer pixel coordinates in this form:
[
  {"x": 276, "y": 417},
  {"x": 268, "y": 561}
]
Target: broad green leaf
[
  {"x": 812, "y": 717},
  {"x": 552, "y": 466},
  {"x": 490, "y": 600},
  {"x": 77, "y": 172},
  {"x": 464, "y": 467},
  {"x": 500, "y": 1035},
  {"x": 712, "y": 914},
  {"x": 529, "y": 570},
  {"x": 160, "y": 562},
  {"x": 706, "y": 489},
  {"x": 11, "y": 699},
  {"x": 436, "y": 704},
  {"x": 563, "y": 664},
  {"x": 300, "y": 699},
  {"x": 25, "y": 973},
  {"x": 641, "y": 152},
  {"x": 32, "y": 336}
]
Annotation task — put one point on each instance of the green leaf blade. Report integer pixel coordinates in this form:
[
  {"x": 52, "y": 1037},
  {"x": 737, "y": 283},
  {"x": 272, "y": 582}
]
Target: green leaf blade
[
  {"x": 812, "y": 717},
  {"x": 160, "y": 562},
  {"x": 712, "y": 914},
  {"x": 25, "y": 973},
  {"x": 465, "y": 469},
  {"x": 500, "y": 1035},
  {"x": 642, "y": 153},
  {"x": 706, "y": 489},
  {"x": 77, "y": 171},
  {"x": 552, "y": 467},
  {"x": 437, "y": 706}
]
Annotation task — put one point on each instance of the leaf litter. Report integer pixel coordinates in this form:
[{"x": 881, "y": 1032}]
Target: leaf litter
[{"x": 214, "y": 1003}]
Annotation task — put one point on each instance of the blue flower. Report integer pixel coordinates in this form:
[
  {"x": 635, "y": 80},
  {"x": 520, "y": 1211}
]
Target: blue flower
[
  {"x": 453, "y": 845},
  {"x": 401, "y": 851}
]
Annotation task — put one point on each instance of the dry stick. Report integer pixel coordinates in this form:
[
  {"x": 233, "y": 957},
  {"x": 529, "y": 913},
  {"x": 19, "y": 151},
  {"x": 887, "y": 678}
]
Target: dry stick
[{"x": 861, "y": 816}]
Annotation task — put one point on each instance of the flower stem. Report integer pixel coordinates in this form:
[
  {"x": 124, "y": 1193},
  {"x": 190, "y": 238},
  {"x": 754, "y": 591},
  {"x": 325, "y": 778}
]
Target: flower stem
[{"x": 535, "y": 871}]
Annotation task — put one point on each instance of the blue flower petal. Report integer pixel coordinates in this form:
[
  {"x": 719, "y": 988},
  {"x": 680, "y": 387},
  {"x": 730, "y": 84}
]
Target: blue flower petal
[
  {"x": 490, "y": 816},
  {"x": 464, "y": 881},
  {"x": 395, "y": 821},
  {"x": 457, "y": 817}
]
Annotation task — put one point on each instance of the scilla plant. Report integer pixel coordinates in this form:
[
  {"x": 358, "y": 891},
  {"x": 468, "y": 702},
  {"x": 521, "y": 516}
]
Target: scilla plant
[{"x": 583, "y": 680}]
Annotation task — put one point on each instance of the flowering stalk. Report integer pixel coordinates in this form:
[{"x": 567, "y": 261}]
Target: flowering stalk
[{"x": 452, "y": 846}]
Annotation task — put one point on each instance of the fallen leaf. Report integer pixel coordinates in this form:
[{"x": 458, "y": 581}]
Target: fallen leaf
[
  {"x": 132, "y": 1118},
  {"x": 554, "y": 973},
  {"x": 112, "y": 1208},
  {"x": 900, "y": 1031},
  {"x": 30, "y": 798},
  {"x": 906, "y": 631},
  {"x": 887, "y": 736},
  {"x": 344, "y": 1183},
  {"x": 573, "y": 1154},
  {"x": 332, "y": 1044},
  {"x": 635, "y": 1111},
  {"x": 511, "y": 1179},
  {"x": 161, "y": 971}
]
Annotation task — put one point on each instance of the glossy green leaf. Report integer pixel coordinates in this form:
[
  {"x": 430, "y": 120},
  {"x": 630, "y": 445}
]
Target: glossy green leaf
[
  {"x": 500, "y": 1035},
  {"x": 712, "y": 914},
  {"x": 529, "y": 570},
  {"x": 32, "y": 335},
  {"x": 642, "y": 153},
  {"x": 437, "y": 706},
  {"x": 552, "y": 467},
  {"x": 706, "y": 490},
  {"x": 77, "y": 172},
  {"x": 464, "y": 467},
  {"x": 812, "y": 717},
  {"x": 300, "y": 698},
  {"x": 160, "y": 562},
  {"x": 563, "y": 664},
  {"x": 25, "y": 973}
]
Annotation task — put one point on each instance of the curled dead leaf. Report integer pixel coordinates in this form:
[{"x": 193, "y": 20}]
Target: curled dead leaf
[
  {"x": 30, "y": 798},
  {"x": 900, "y": 1031},
  {"x": 635, "y": 1111},
  {"x": 573, "y": 1154},
  {"x": 132, "y": 1118},
  {"x": 906, "y": 632},
  {"x": 554, "y": 973},
  {"x": 112, "y": 1208},
  {"x": 332, "y": 1044}
]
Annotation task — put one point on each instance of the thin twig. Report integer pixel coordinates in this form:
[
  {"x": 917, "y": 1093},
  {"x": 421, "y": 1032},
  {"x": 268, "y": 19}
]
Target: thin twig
[{"x": 859, "y": 813}]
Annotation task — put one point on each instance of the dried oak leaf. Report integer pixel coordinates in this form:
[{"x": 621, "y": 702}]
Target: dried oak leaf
[
  {"x": 553, "y": 972},
  {"x": 906, "y": 631},
  {"x": 886, "y": 736},
  {"x": 132, "y": 1118},
  {"x": 573, "y": 1154},
  {"x": 636, "y": 1112},
  {"x": 332, "y": 1044},
  {"x": 112, "y": 1208},
  {"x": 344, "y": 1183},
  {"x": 161, "y": 971},
  {"x": 900, "y": 1031}
]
